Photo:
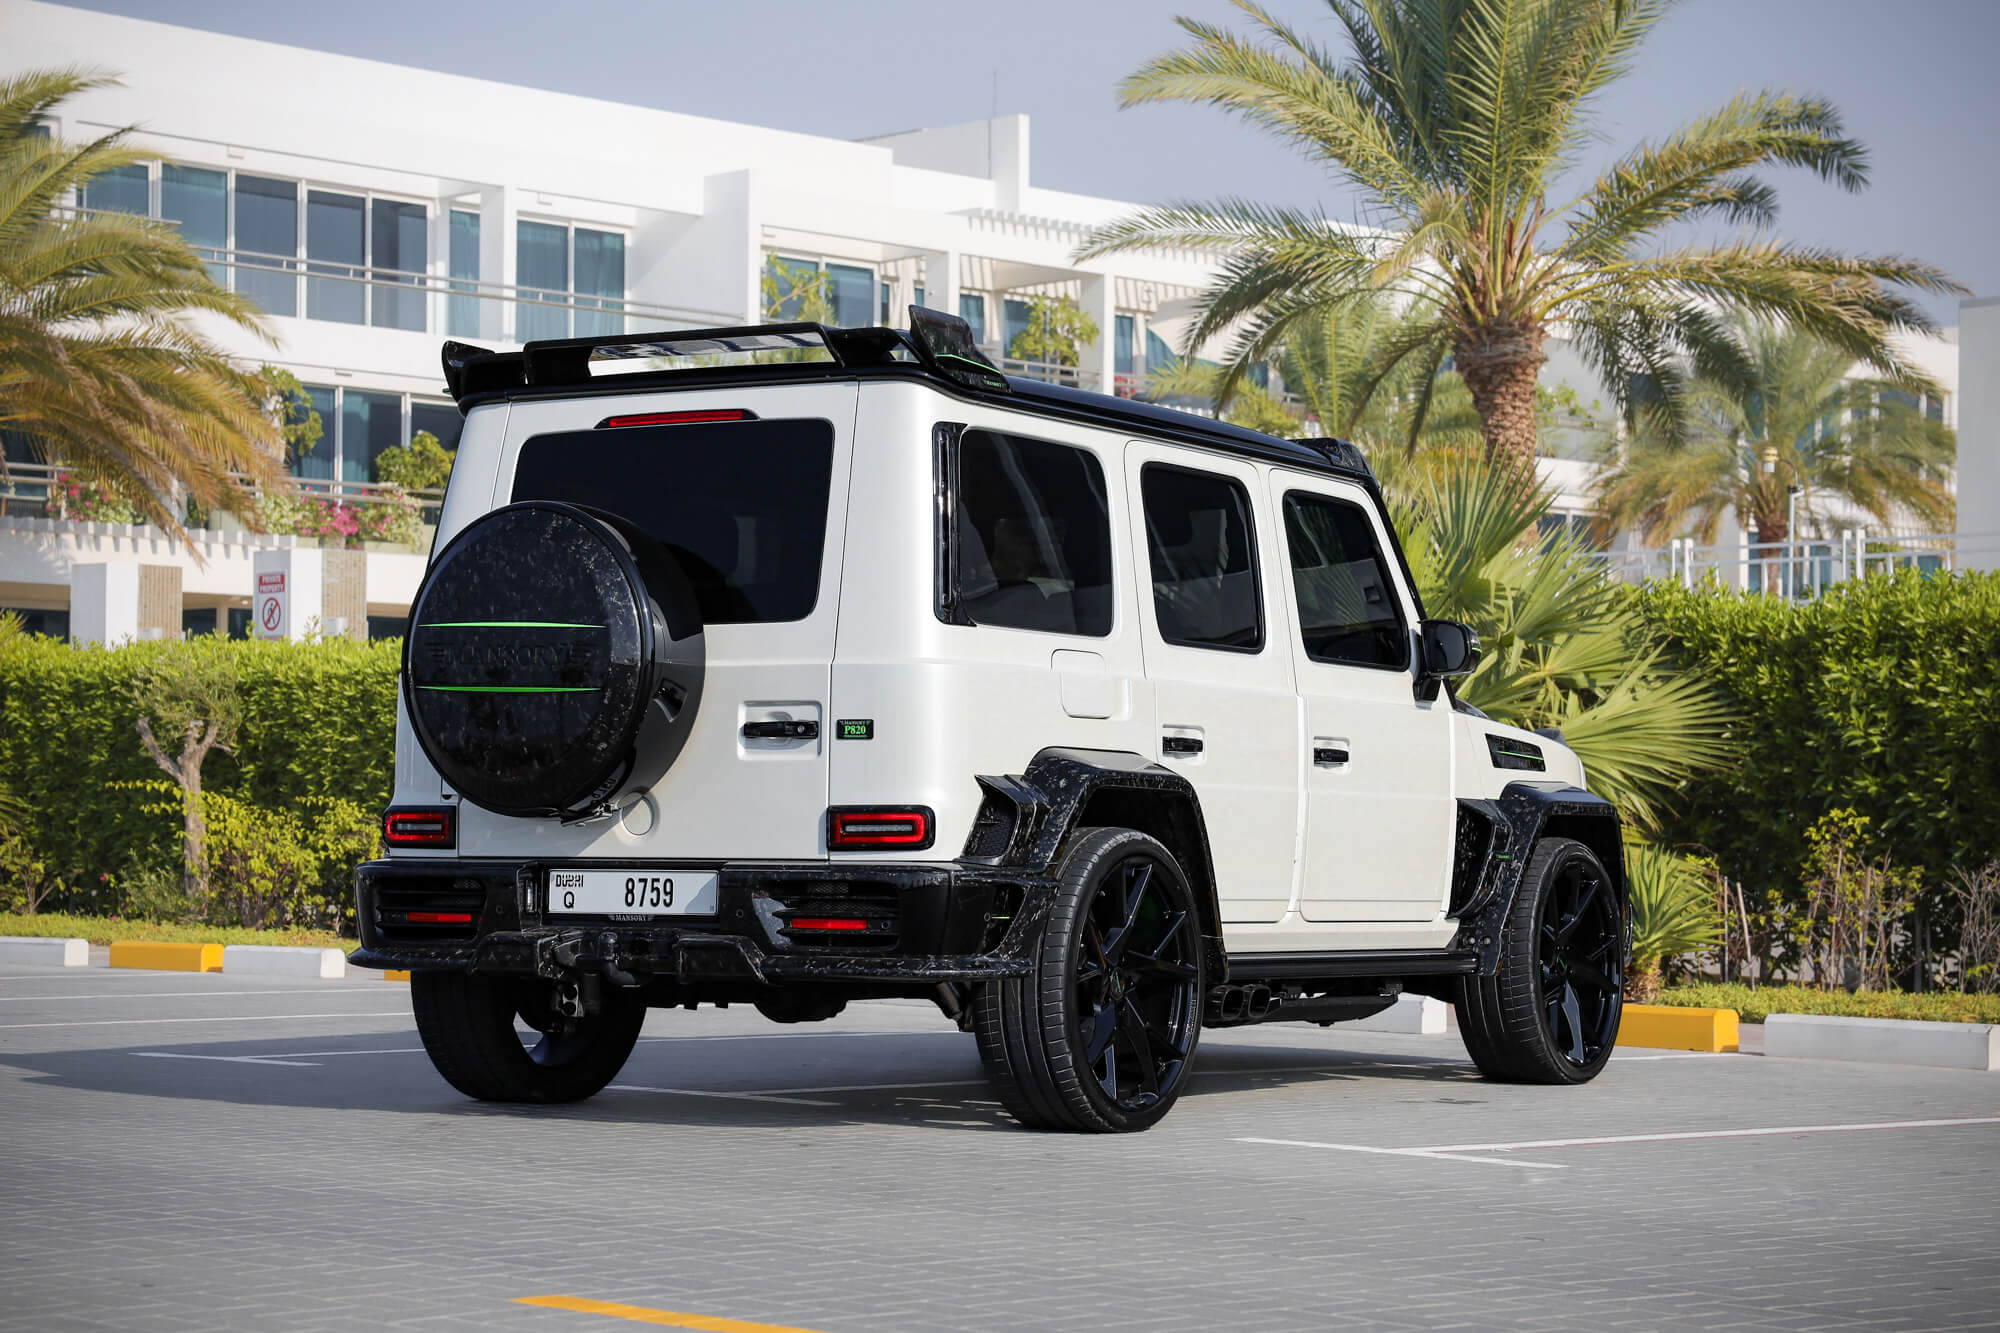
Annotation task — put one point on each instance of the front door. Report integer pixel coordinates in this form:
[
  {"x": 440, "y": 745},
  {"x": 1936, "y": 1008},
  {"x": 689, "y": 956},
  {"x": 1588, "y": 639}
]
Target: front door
[
  {"x": 1379, "y": 809},
  {"x": 1214, "y": 637}
]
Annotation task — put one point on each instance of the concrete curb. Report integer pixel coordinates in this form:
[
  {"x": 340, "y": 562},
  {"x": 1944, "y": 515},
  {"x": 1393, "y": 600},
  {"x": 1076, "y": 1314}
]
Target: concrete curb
[
  {"x": 1889, "y": 1041},
  {"x": 281, "y": 960},
  {"x": 158, "y": 957},
  {"x": 1672, "y": 1028},
  {"x": 42, "y": 951},
  {"x": 1411, "y": 1013}
]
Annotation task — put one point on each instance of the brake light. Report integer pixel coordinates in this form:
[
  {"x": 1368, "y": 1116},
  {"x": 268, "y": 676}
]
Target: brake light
[
  {"x": 441, "y": 918},
  {"x": 420, "y": 828},
  {"x": 677, "y": 418},
  {"x": 828, "y": 923},
  {"x": 903, "y": 828}
]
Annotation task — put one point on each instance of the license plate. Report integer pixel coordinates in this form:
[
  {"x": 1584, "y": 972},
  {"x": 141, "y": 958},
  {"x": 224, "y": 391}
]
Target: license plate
[{"x": 632, "y": 893}]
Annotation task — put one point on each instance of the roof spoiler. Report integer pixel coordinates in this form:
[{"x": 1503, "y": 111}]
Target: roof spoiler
[{"x": 941, "y": 343}]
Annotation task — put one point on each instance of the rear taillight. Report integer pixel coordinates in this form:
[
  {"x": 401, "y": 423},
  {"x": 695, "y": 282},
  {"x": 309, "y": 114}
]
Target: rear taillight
[
  {"x": 677, "y": 418},
  {"x": 437, "y": 827},
  {"x": 828, "y": 923},
  {"x": 897, "y": 828}
]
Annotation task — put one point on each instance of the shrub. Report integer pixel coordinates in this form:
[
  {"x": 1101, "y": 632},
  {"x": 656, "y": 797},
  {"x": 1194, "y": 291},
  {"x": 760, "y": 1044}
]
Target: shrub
[
  {"x": 318, "y": 725},
  {"x": 421, "y": 465},
  {"x": 1879, "y": 698},
  {"x": 1754, "y": 1006},
  {"x": 1673, "y": 913}
]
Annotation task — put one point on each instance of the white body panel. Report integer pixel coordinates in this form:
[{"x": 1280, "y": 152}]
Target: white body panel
[{"x": 1306, "y": 856}]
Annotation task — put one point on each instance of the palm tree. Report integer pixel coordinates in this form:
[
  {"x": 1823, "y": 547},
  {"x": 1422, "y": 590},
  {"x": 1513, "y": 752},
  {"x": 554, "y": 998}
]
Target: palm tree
[
  {"x": 1456, "y": 119},
  {"x": 100, "y": 368},
  {"x": 1861, "y": 440},
  {"x": 1564, "y": 644},
  {"x": 1334, "y": 360}
]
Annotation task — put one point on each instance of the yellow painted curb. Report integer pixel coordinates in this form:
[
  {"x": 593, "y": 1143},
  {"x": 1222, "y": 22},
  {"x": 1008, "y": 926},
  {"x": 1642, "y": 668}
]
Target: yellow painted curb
[
  {"x": 1669, "y": 1027},
  {"x": 167, "y": 957},
  {"x": 394, "y": 974}
]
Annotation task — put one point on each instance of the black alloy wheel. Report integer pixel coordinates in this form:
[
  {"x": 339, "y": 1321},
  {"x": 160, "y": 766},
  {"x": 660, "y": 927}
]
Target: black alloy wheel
[
  {"x": 467, "y": 1025},
  {"x": 1550, "y": 1013},
  {"x": 1577, "y": 956},
  {"x": 1102, "y": 1036}
]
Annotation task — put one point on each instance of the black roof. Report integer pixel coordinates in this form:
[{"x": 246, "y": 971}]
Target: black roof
[{"x": 562, "y": 369}]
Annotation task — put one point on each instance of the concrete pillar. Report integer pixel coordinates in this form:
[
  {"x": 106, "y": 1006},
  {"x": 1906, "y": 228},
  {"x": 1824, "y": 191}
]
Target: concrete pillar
[
  {"x": 497, "y": 214},
  {"x": 103, "y": 603},
  {"x": 1979, "y": 432},
  {"x": 302, "y": 592},
  {"x": 159, "y": 601},
  {"x": 941, "y": 281},
  {"x": 1100, "y": 302}
]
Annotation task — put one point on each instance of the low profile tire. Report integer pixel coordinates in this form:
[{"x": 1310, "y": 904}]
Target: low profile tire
[
  {"x": 467, "y": 1023},
  {"x": 1100, "y": 1037},
  {"x": 1550, "y": 1012}
]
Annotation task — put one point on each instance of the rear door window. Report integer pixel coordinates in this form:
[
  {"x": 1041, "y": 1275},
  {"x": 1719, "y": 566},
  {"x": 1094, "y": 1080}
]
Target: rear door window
[
  {"x": 1033, "y": 535},
  {"x": 741, "y": 504},
  {"x": 1204, "y": 559}
]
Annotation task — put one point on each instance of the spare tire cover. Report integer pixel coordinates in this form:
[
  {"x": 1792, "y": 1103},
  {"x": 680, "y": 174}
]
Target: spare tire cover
[{"x": 554, "y": 655}]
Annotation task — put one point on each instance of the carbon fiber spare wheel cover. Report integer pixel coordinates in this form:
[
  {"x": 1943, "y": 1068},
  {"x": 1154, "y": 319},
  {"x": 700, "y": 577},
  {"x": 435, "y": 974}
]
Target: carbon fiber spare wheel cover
[{"x": 554, "y": 656}]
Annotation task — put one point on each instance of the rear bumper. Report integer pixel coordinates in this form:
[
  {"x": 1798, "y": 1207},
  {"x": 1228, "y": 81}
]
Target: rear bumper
[{"x": 926, "y": 923}]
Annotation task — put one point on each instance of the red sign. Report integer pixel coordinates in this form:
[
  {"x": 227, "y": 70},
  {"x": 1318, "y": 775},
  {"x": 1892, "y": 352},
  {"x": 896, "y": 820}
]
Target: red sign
[{"x": 273, "y": 582}]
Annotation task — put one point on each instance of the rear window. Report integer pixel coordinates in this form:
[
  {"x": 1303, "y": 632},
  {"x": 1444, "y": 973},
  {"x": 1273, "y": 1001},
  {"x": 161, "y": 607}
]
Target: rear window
[{"x": 741, "y": 504}]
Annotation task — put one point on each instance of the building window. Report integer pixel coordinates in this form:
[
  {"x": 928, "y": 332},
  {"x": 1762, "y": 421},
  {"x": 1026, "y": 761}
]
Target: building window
[
  {"x": 462, "y": 312},
  {"x": 853, "y": 292},
  {"x": 439, "y": 419},
  {"x": 334, "y": 255},
  {"x": 316, "y": 462},
  {"x": 197, "y": 202},
  {"x": 369, "y": 423},
  {"x": 542, "y": 265},
  {"x": 399, "y": 252},
  {"x": 1125, "y": 331},
  {"x": 972, "y": 309},
  {"x": 1013, "y": 323},
  {"x": 267, "y": 240},
  {"x": 124, "y": 189},
  {"x": 918, "y": 297},
  {"x": 356, "y": 425}
]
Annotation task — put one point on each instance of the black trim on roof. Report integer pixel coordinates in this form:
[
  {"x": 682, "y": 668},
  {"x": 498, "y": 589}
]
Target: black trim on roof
[{"x": 561, "y": 369}]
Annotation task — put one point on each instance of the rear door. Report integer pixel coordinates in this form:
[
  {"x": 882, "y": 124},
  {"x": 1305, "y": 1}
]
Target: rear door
[
  {"x": 1216, "y": 654},
  {"x": 754, "y": 509},
  {"x": 1379, "y": 807}
]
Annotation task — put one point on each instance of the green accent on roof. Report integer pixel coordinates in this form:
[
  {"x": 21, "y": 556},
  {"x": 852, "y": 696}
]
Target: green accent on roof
[
  {"x": 515, "y": 689},
  {"x": 505, "y": 624}
]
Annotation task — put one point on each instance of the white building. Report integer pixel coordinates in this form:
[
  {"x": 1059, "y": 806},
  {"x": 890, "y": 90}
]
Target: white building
[
  {"x": 1979, "y": 435},
  {"x": 375, "y": 210}
]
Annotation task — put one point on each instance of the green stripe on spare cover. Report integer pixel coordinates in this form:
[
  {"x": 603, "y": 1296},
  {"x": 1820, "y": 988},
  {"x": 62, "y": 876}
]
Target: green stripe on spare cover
[
  {"x": 514, "y": 689},
  {"x": 505, "y": 624}
]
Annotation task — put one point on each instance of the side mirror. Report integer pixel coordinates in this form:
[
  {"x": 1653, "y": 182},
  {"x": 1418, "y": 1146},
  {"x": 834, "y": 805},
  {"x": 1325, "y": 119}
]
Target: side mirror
[{"x": 1449, "y": 651}]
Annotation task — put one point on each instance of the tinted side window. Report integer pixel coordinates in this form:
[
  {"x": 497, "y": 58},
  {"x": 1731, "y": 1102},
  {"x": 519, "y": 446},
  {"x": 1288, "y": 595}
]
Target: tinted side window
[
  {"x": 1347, "y": 601},
  {"x": 1203, "y": 552},
  {"x": 741, "y": 504},
  {"x": 1034, "y": 535}
]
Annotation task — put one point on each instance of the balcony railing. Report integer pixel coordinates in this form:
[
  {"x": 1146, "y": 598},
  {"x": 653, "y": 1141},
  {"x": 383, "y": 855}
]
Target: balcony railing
[
  {"x": 388, "y": 298},
  {"x": 27, "y": 491},
  {"x": 1803, "y": 568}
]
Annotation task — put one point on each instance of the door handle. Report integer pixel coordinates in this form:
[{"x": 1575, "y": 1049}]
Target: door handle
[
  {"x": 785, "y": 729},
  {"x": 1327, "y": 756},
  {"x": 1180, "y": 744}
]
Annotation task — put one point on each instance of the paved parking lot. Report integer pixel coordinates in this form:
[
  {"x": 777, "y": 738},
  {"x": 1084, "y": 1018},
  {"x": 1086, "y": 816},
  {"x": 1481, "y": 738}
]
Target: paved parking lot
[{"x": 203, "y": 1152}]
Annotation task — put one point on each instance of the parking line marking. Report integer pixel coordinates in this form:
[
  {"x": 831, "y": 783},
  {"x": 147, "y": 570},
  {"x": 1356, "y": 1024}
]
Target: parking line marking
[
  {"x": 229, "y": 1018},
  {"x": 227, "y": 1059},
  {"x": 1710, "y": 1134},
  {"x": 640, "y": 1314},
  {"x": 173, "y": 994},
  {"x": 730, "y": 1096},
  {"x": 1432, "y": 1153}
]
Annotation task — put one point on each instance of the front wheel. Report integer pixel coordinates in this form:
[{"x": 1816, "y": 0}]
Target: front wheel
[
  {"x": 1100, "y": 1037},
  {"x": 1550, "y": 1012},
  {"x": 467, "y": 1024}
]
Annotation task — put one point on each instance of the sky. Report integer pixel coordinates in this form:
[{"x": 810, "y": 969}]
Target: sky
[{"x": 1911, "y": 77}]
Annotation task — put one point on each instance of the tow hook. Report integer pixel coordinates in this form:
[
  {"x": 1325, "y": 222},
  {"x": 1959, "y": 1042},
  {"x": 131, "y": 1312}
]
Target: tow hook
[{"x": 607, "y": 953}]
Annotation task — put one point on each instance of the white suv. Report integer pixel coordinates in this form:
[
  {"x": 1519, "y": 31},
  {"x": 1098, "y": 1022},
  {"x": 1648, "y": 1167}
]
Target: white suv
[{"x": 791, "y": 666}]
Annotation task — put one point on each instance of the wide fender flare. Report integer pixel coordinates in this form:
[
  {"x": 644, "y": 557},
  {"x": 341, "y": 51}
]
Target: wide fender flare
[
  {"x": 1525, "y": 813},
  {"x": 1028, "y": 823}
]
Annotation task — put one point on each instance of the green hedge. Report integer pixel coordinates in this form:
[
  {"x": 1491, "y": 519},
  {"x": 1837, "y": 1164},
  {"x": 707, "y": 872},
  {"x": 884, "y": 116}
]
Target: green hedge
[
  {"x": 1754, "y": 1006},
  {"x": 1879, "y": 697},
  {"x": 318, "y": 723},
  {"x": 111, "y": 929}
]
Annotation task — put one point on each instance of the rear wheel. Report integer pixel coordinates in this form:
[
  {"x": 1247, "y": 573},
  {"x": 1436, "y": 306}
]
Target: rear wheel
[
  {"x": 467, "y": 1024},
  {"x": 1100, "y": 1037},
  {"x": 1550, "y": 1012}
]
